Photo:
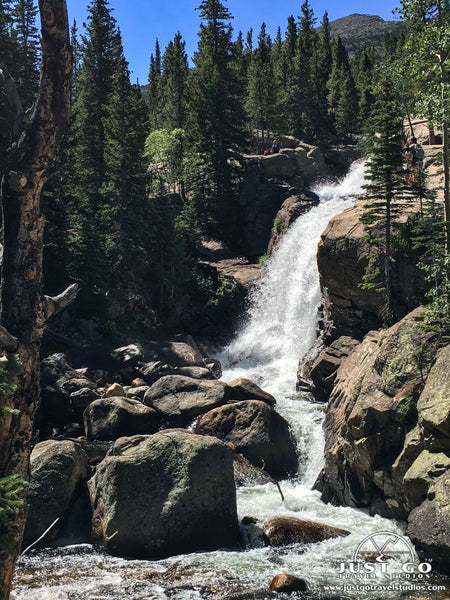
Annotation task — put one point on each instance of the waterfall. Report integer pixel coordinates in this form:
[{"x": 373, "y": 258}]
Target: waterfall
[{"x": 282, "y": 319}]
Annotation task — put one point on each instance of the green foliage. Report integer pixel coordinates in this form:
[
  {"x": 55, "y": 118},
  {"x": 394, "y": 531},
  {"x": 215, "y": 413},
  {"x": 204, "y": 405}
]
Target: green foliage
[
  {"x": 11, "y": 487},
  {"x": 437, "y": 313},
  {"x": 264, "y": 260}
]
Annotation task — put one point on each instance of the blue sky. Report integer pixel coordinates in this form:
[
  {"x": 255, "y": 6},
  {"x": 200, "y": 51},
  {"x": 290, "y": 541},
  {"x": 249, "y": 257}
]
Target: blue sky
[{"x": 142, "y": 21}]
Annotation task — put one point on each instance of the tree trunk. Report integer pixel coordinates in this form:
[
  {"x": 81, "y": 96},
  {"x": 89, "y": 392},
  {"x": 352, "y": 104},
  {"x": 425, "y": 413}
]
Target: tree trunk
[{"x": 24, "y": 309}]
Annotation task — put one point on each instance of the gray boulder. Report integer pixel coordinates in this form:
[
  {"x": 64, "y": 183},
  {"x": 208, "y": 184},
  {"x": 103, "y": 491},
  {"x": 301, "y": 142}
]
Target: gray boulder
[
  {"x": 244, "y": 389},
  {"x": 255, "y": 430},
  {"x": 165, "y": 494},
  {"x": 180, "y": 399},
  {"x": 111, "y": 418},
  {"x": 58, "y": 468},
  {"x": 428, "y": 525}
]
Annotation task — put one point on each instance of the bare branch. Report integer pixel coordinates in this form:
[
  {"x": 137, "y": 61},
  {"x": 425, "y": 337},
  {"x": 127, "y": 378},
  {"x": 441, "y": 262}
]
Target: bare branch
[
  {"x": 54, "y": 304},
  {"x": 8, "y": 341}
]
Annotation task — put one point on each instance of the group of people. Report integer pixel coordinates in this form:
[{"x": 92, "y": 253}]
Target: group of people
[
  {"x": 274, "y": 149},
  {"x": 413, "y": 155}
]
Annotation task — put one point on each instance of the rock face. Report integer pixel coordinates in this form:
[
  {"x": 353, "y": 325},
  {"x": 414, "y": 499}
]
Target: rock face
[
  {"x": 179, "y": 400},
  {"x": 342, "y": 259},
  {"x": 282, "y": 531},
  {"x": 255, "y": 430},
  {"x": 371, "y": 409},
  {"x": 111, "y": 418},
  {"x": 290, "y": 210},
  {"x": 387, "y": 433},
  {"x": 165, "y": 494},
  {"x": 268, "y": 183},
  {"x": 57, "y": 470}
]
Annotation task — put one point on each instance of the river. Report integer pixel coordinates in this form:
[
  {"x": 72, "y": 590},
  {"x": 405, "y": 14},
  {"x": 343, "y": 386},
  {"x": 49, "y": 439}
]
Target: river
[{"x": 280, "y": 328}]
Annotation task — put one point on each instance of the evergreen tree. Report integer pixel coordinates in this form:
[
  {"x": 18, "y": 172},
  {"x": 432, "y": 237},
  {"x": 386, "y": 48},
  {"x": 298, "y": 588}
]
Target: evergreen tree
[
  {"x": 174, "y": 84},
  {"x": 123, "y": 189},
  {"x": 304, "y": 125},
  {"x": 342, "y": 98},
  {"x": 365, "y": 73},
  {"x": 86, "y": 162},
  {"x": 262, "y": 97},
  {"x": 26, "y": 70},
  {"x": 385, "y": 190},
  {"x": 154, "y": 97},
  {"x": 286, "y": 78},
  {"x": 216, "y": 119}
]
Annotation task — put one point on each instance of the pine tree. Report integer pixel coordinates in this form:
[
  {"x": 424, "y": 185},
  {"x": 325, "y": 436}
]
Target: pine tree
[
  {"x": 174, "y": 84},
  {"x": 26, "y": 71},
  {"x": 154, "y": 97},
  {"x": 262, "y": 97},
  {"x": 342, "y": 98},
  {"x": 285, "y": 76},
  {"x": 86, "y": 162},
  {"x": 123, "y": 189},
  {"x": 216, "y": 119},
  {"x": 304, "y": 86},
  {"x": 385, "y": 190}
]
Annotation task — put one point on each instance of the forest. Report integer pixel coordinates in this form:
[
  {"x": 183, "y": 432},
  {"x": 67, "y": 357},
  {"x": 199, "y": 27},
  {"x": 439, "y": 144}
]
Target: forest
[{"x": 144, "y": 173}]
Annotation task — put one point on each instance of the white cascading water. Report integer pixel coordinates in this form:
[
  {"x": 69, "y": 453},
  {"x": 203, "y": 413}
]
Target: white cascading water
[{"x": 280, "y": 329}]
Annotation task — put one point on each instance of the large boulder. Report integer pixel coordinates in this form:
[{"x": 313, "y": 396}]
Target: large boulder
[
  {"x": 111, "y": 418},
  {"x": 371, "y": 409},
  {"x": 165, "y": 494},
  {"x": 245, "y": 389},
  {"x": 428, "y": 524},
  {"x": 284, "y": 582},
  {"x": 342, "y": 261},
  {"x": 255, "y": 430},
  {"x": 282, "y": 531},
  {"x": 175, "y": 354},
  {"x": 58, "y": 468},
  {"x": 180, "y": 399}
]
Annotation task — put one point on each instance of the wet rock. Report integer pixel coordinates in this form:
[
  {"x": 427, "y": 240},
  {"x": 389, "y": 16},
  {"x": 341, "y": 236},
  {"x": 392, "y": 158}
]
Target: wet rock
[
  {"x": 428, "y": 525},
  {"x": 244, "y": 389},
  {"x": 282, "y": 531},
  {"x": 165, "y": 494},
  {"x": 152, "y": 371},
  {"x": 111, "y": 418},
  {"x": 291, "y": 209},
  {"x": 246, "y": 474},
  {"x": 257, "y": 431},
  {"x": 253, "y": 535},
  {"x": 287, "y": 583},
  {"x": 180, "y": 399},
  {"x": 58, "y": 468},
  {"x": 83, "y": 397}
]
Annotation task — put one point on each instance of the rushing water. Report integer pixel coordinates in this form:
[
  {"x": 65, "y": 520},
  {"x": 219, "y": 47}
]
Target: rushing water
[{"x": 280, "y": 328}]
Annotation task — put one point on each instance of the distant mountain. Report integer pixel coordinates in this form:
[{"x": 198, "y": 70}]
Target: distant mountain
[{"x": 357, "y": 30}]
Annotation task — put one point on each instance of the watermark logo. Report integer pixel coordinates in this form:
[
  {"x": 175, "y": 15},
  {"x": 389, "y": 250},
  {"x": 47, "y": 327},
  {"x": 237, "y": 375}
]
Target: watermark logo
[
  {"x": 383, "y": 546},
  {"x": 384, "y": 552}
]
